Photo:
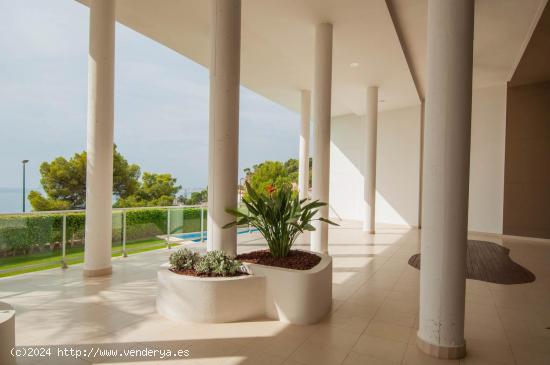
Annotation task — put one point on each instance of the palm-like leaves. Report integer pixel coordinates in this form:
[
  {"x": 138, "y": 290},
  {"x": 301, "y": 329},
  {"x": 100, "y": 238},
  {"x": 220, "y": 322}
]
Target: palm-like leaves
[{"x": 280, "y": 217}]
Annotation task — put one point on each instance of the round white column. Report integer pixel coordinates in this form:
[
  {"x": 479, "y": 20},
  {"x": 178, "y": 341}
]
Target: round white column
[
  {"x": 99, "y": 170},
  {"x": 371, "y": 127},
  {"x": 421, "y": 160},
  {"x": 303, "y": 162},
  {"x": 223, "y": 142},
  {"x": 446, "y": 178},
  {"x": 7, "y": 334},
  {"x": 322, "y": 84}
]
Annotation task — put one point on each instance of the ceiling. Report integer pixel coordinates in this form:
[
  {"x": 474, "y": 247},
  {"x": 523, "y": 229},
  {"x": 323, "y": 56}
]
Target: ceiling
[
  {"x": 278, "y": 39},
  {"x": 535, "y": 63},
  {"x": 502, "y": 28}
]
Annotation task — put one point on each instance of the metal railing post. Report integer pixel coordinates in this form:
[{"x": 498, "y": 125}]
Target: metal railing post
[
  {"x": 202, "y": 224},
  {"x": 168, "y": 229},
  {"x": 64, "y": 244},
  {"x": 124, "y": 253}
]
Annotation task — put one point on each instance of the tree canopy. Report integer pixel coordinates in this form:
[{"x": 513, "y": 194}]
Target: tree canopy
[
  {"x": 274, "y": 173},
  {"x": 196, "y": 198},
  {"x": 155, "y": 190},
  {"x": 64, "y": 182}
]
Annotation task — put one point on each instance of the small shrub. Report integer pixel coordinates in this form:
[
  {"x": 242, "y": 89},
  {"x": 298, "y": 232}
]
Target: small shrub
[
  {"x": 184, "y": 259},
  {"x": 217, "y": 263}
]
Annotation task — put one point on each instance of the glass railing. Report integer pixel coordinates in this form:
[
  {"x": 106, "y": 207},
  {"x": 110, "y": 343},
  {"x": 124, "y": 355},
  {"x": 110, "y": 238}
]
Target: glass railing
[{"x": 40, "y": 240}]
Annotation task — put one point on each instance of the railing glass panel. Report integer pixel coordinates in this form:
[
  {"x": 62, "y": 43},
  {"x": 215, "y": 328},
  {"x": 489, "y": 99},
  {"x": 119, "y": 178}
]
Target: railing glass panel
[
  {"x": 29, "y": 240},
  {"x": 39, "y": 240}
]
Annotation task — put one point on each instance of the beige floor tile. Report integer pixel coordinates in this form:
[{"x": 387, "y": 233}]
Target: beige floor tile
[
  {"x": 403, "y": 296},
  {"x": 488, "y": 353},
  {"x": 486, "y": 335},
  {"x": 380, "y": 348},
  {"x": 399, "y": 318},
  {"x": 311, "y": 353},
  {"x": 277, "y": 345},
  {"x": 374, "y": 312},
  {"x": 408, "y": 306},
  {"x": 334, "y": 337},
  {"x": 389, "y": 331},
  {"x": 413, "y": 356},
  {"x": 357, "y": 310},
  {"x": 347, "y": 322},
  {"x": 253, "y": 357},
  {"x": 371, "y": 299},
  {"x": 292, "y": 362},
  {"x": 526, "y": 343},
  {"x": 355, "y": 358},
  {"x": 532, "y": 358}
]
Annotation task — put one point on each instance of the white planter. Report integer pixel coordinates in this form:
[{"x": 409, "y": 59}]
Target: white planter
[
  {"x": 204, "y": 299},
  {"x": 297, "y": 296},
  {"x": 7, "y": 334},
  {"x": 293, "y": 296}
]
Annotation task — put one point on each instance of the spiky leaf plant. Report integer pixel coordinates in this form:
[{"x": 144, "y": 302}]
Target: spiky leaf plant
[{"x": 280, "y": 216}]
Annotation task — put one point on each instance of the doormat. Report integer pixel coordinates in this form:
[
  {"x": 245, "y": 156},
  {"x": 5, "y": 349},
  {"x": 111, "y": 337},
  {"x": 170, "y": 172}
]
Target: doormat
[{"x": 487, "y": 261}]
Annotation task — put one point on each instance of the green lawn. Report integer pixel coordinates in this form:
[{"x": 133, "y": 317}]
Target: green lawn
[{"x": 75, "y": 255}]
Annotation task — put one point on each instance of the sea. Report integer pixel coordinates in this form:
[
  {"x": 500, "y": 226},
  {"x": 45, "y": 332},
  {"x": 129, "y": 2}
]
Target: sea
[{"x": 11, "y": 200}]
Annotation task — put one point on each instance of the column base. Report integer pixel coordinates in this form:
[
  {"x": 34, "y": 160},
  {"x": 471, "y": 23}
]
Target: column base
[
  {"x": 441, "y": 352},
  {"x": 98, "y": 272}
]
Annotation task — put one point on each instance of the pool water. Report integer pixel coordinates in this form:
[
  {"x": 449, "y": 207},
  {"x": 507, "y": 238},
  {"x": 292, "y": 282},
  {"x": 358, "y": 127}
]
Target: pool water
[{"x": 196, "y": 236}]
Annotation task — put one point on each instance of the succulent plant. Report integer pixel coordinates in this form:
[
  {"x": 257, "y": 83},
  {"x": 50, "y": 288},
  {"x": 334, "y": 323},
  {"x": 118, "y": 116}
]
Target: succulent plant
[
  {"x": 217, "y": 263},
  {"x": 184, "y": 259}
]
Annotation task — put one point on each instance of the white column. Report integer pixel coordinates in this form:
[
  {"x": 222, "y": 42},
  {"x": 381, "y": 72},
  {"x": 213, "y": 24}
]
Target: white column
[
  {"x": 303, "y": 162},
  {"x": 446, "y": 177},
  {"x": 322, "y": 84},
  {"x": 371, "y": 126},
  {"x": 99, "y": 170},
  {"x": 421, "y": 160},
  {"x": 223, "y": 143}
]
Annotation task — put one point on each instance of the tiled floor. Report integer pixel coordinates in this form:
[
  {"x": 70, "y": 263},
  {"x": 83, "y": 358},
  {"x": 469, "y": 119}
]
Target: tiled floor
[{"x": 373, "y": 319}]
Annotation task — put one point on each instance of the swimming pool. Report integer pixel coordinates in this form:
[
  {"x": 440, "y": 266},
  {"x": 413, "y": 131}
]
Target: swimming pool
[{"x": 196, "y": 236}]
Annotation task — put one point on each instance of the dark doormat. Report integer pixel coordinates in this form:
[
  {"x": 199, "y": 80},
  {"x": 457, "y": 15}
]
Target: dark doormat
[{"x": 487, "y": 261}]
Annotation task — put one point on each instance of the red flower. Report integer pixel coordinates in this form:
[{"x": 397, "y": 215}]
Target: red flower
[{"x": 270, "y": 188}]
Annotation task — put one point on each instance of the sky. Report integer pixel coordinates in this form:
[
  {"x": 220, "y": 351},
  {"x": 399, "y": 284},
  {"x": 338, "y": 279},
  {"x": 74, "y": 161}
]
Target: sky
[{"x": 161, "y": 100}]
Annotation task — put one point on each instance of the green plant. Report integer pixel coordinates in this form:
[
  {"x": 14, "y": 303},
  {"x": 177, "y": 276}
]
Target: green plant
[
  {"x": 21, "y": 234},
  {"x": 183, "y": 259},
  {"x": 64, "y": 181},
  {"x": 279, "y": 216},
  {"x": 217, "y": 263}
]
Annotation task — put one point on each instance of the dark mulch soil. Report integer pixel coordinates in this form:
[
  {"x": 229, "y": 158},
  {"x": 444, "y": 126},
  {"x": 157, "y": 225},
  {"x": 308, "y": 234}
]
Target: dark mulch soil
[
  {"x": 297, "y": 260},
  {"x": 191, "y": 272}
]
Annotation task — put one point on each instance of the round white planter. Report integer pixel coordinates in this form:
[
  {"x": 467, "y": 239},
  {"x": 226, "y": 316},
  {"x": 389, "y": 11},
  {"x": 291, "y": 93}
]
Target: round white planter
[
  {"x": 297, "y": 296},
  {"x": 7, "y": 334},
  {"x": 293, "y": 296}
]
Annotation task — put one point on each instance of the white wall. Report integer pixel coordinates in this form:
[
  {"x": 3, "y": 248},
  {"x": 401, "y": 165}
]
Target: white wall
[
  {"x": 397, "y": 167},
  {"x": 398, "y": 164},
  {"x": 487, "y": 159},
  {"x": 346, "y": 165}
]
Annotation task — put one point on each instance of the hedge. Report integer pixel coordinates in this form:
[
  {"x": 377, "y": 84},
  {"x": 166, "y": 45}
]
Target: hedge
[{"x": 22, "y": 234}]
